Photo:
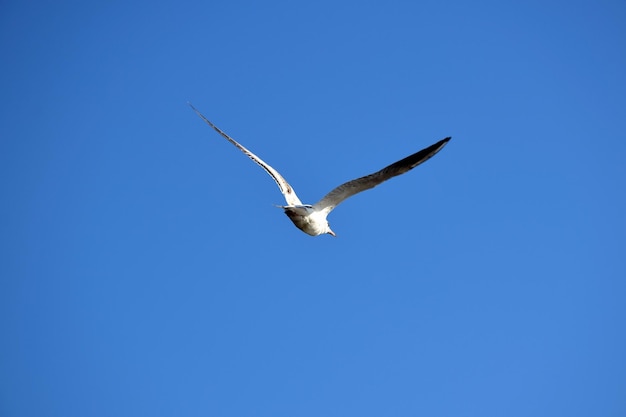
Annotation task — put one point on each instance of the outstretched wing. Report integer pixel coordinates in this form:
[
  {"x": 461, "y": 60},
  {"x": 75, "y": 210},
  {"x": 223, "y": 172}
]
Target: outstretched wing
[
  {"x": 350, "y": 188},
  {"x": 290, "y": 195}
]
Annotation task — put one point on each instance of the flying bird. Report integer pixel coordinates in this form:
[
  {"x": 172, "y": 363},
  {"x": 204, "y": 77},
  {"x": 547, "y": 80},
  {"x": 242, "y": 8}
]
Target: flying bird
[{"x": 311, "y": 219}]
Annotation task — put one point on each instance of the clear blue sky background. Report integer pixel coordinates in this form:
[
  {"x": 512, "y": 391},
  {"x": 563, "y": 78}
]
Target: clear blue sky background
[{"x": 145, "y": 271}]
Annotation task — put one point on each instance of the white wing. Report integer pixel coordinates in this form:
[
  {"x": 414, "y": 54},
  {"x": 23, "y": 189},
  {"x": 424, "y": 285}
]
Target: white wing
[
  {"x": 350, "y": 188},
  {"x": 290, "y": 195}
]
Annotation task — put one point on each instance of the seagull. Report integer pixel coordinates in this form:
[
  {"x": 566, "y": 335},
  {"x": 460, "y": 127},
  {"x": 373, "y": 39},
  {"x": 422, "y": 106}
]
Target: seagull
[{"x": 311, "y": 219}]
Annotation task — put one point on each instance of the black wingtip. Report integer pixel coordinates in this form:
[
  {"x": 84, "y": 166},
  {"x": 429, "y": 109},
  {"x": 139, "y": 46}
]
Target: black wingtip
[
  {"x": 437, "y": 146},
  {"x": 441, "y": 143}
]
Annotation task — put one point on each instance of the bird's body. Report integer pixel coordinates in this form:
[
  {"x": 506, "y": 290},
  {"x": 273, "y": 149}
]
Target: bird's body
[{"x": 311, "y": 219}]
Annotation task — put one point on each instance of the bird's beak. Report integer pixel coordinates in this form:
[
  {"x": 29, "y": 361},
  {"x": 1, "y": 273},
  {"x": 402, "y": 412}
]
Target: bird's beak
[{"x": 330, "y": 232}]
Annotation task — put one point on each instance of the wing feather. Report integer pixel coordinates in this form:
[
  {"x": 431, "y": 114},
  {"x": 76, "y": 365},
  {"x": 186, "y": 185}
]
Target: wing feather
[
  {"x": 286, "y": 189},
  {"x": 350, "y": 188}
]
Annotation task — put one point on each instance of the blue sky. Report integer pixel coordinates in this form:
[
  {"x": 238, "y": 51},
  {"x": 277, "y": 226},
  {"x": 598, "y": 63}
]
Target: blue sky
[{"x": 145, "y": 270}]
